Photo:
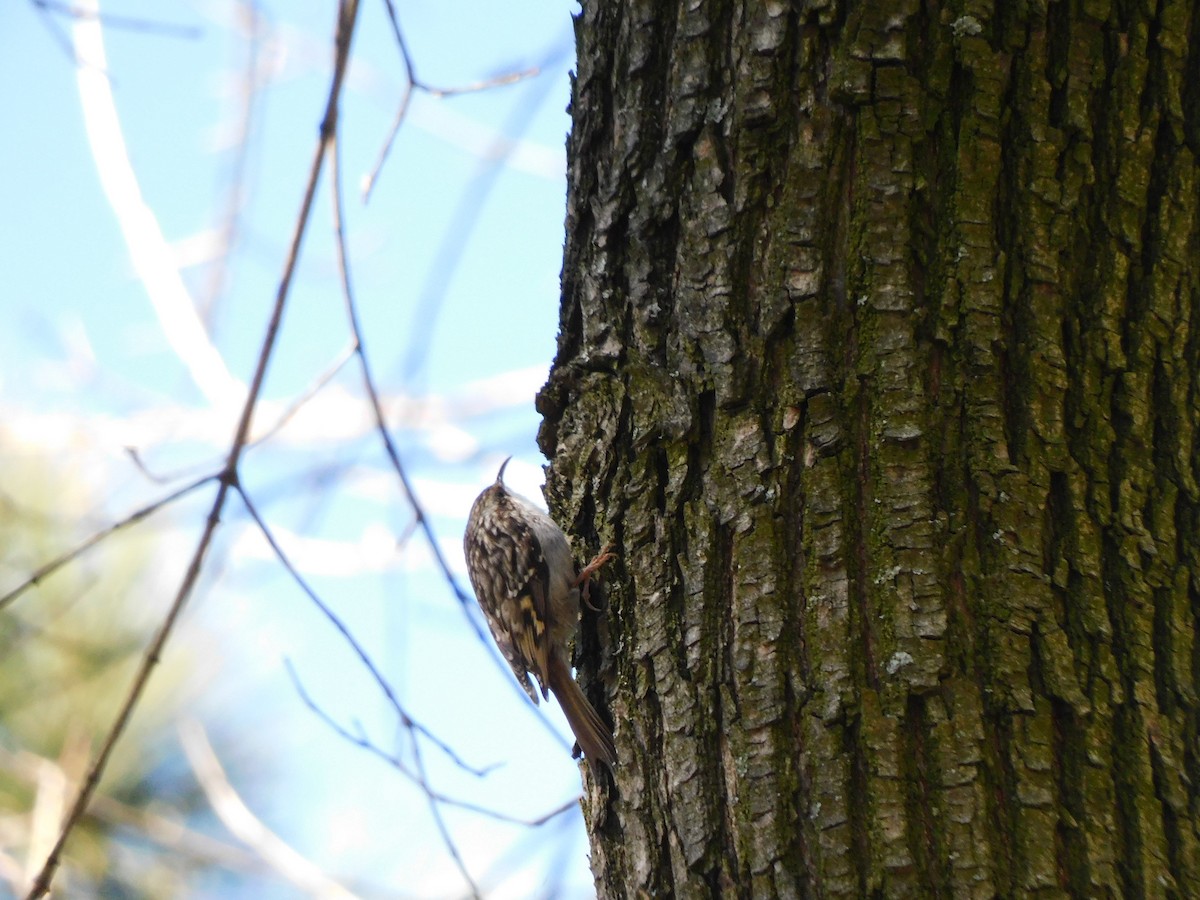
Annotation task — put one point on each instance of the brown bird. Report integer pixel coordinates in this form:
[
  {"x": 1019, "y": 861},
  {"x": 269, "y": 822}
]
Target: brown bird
[{"x": 528, "y": 587}]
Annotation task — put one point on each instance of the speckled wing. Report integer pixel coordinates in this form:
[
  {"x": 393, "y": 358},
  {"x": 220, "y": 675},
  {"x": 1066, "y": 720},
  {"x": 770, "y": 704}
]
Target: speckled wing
[{"x": 511, "y": 580}]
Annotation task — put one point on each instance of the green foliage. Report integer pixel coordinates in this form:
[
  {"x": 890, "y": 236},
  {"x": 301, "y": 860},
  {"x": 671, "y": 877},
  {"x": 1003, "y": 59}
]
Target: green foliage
[{"x": 68, "y": 649}]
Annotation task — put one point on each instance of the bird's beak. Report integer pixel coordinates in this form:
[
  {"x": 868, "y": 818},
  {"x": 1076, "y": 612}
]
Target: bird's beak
[{"x": 500, "y": 474}]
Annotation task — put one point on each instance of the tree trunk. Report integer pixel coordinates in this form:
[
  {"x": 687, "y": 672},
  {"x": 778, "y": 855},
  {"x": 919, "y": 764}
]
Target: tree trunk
[{"x": 879, "y": 366}]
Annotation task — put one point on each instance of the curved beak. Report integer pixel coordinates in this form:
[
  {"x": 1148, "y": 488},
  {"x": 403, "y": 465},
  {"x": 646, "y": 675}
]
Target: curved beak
[{"x": 500, "y": 474}]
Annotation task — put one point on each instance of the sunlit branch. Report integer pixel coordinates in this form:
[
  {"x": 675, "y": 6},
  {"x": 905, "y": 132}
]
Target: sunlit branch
[
  {"x": 149, "y": 251},
  {"x": 245, "y": 825}
]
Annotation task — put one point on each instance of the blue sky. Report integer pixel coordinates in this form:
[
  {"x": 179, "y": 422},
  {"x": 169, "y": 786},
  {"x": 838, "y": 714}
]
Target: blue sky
[{"x": 88, "y": 367}]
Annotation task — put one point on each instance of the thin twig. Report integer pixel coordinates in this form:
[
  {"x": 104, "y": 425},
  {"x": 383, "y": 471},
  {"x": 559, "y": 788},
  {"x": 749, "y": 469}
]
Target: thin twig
[
  {"x": 368, "y": 183},
  {"x": 521, "y": 852},
  {"x": 465, "y": 601},
  {"x": 361, "y": 741},
  {"x": 405, "y": 719},
  {"x": 132, "y": 519},
  {"x": 301, "y": 400},
  {"x": 347, "y": 14},
  {"x": 413, "y": 83},
  {"x": 435, "y": 810},
  {"x": 318, "y": 385}
]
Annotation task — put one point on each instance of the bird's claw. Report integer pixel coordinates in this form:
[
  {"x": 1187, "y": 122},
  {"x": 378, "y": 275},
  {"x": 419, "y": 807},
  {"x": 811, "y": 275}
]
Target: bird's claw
[{"x": 604, "y": 556}]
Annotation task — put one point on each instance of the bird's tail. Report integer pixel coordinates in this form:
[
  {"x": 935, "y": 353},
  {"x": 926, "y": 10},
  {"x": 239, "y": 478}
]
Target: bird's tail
[{"x": 594, "y": 737}]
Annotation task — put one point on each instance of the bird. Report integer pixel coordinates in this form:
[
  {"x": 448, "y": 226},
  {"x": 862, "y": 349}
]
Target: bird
[{"x": 529, "y": 590}]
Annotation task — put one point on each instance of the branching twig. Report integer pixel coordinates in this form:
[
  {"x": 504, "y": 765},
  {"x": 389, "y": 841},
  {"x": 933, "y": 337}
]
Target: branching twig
[
  {"x": 319, "y": 384},
  {"x": 360, "y": 740},
  {"x": 132, "y": 519},
  {"x": 413, "y": 83},
  {"x": 347, "y": 14},
  {"x": 405, "y": 719},
  {"x": 464, "y": 219},
  {"x": 300, "y": 401}
]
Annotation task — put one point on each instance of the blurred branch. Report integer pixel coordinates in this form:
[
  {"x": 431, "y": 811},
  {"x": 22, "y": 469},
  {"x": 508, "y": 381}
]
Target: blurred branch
[
  {"x": 148, "y": 248},
  {"x": 414, "y": 83},
  {"x": 247, "y": 827},
  {"x": 52, "y": 785},
  {"x": 163, "y": 830},
  {"x": 465, "y": 217},
  {"x": 48, "y": 9},
  {"x": 45, "y": 819},
  {"x": 288, "y": 413},
  {"x": 85, "y": 12},
  {"x": 360, "y": 740},
  {"x": 347, "y": 15},
  {"x": 132, "y": 519},
  {"x": 518, "y": 854},
  {"x": 249, "y": 19}
]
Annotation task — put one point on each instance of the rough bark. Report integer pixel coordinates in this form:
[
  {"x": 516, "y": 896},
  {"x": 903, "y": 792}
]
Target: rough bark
[{"x": 879, "y": 366}]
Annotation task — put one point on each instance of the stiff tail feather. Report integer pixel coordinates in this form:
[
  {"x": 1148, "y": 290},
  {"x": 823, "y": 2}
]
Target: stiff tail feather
[{"x": 595, "y": 740}]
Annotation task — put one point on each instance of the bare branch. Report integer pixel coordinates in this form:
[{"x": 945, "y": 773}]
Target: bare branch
[
  {"x": 166, "y": 831},
  {"x": 297, "y": 404},
  {"x": 419, "y": 777},
  {"x": 132, "y": 519},
  {"x": 463, "y": 220},
  {"x": 319, "y": 383},
  {"x": 360, "y": 740},
  {"x": 405, "y": 719},
  {"x": 435, "y": 810},
  {"x": 249, "y": 19},
  {"x": 143, "y": 235},
  {"x": 347, "y": 14},
  {"x": 412, "y": 82},
  {"x": 465, "y": 601}
]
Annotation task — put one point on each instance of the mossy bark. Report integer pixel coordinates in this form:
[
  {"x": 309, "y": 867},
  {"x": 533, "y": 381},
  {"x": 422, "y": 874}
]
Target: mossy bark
[{"x": 880, "y": 367}]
